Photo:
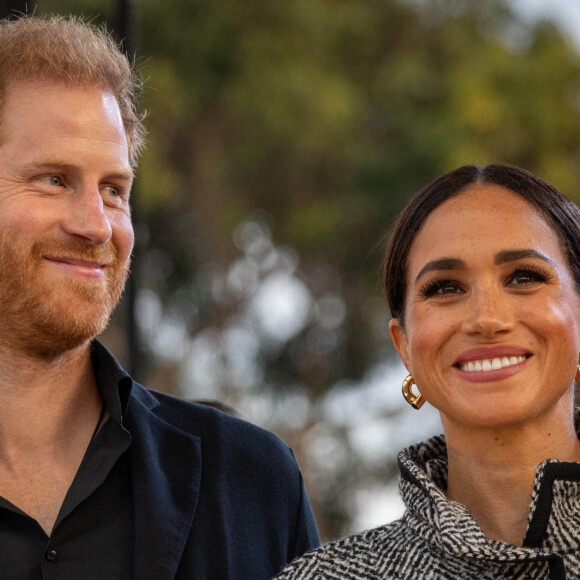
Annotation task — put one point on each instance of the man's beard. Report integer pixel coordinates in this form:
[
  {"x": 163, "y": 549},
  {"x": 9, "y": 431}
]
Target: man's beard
[{"x": 47, "y": 313}]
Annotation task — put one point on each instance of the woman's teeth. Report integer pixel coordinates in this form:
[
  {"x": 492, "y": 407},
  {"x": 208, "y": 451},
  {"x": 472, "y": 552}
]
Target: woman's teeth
[{"x": 491, "y": 364}]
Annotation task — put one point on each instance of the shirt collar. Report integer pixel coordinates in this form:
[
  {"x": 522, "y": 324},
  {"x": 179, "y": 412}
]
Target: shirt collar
[{"x": 113, "y": 382}]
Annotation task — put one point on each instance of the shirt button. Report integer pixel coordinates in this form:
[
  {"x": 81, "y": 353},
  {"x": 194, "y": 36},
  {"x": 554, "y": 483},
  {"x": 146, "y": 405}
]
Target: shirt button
[{"x": 51, "y": 555}]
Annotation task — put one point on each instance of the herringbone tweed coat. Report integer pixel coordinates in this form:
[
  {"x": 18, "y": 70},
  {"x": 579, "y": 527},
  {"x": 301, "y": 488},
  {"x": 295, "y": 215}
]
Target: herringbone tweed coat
[{"x": 438, "y": 539}]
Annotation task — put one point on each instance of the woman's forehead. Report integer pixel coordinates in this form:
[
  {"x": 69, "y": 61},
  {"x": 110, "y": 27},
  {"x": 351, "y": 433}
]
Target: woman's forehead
[{"x": 478, "y": 223}]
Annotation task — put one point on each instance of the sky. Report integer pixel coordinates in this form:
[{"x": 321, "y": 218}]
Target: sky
[{"x": 566, "y": 13}]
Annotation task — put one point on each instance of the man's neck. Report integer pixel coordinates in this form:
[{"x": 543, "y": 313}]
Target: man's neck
[
  {"x": 39, "y": 397},
  {"x": 48, "y": 412}
]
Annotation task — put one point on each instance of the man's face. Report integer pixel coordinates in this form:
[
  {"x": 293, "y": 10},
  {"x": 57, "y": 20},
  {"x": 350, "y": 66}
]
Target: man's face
[{"x": 65, "y": 227}]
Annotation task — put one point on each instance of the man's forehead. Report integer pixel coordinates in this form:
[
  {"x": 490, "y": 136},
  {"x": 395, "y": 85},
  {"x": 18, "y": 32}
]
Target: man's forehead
[
  {"x": 57, "y": 124},
  {"x": 46, "y": 94}
]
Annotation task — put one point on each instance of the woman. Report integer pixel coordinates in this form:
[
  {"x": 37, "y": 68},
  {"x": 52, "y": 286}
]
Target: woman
[{"x": 483, "y": 281}]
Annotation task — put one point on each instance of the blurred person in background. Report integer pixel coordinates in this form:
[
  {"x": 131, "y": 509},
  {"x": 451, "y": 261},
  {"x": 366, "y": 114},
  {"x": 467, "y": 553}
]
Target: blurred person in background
[
  {"x": 100, "y": 477},
  {"x": 482, "y": 275}
]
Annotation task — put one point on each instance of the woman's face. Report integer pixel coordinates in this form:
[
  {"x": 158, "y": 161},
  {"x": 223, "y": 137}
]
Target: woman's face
[{"x": 492, "y": 318}]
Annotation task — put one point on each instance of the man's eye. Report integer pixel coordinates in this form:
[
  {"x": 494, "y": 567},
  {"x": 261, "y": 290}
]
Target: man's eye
[
  {"x": 54, "y": 180},
  {"x": 113, "y": 191}
]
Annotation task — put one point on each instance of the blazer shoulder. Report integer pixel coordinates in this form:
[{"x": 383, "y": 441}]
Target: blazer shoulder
[
  {"x": 250, "y": 490},
  {"x": 218, "y": 430}
]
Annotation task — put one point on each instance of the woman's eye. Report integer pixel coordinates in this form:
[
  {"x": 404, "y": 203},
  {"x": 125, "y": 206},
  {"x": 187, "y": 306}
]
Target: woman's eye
[
  {"x": 441, "y": 288},
  {"x": 447, "y": 289},
  {"x": 524, "y": 277}
]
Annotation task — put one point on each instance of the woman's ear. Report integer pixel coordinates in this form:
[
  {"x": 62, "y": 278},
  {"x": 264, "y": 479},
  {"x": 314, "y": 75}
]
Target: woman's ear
[{"x": 399, "y": 339}]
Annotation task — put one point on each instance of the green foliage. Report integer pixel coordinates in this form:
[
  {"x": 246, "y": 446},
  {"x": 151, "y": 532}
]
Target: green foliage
[{"x": 310, "y": 123}]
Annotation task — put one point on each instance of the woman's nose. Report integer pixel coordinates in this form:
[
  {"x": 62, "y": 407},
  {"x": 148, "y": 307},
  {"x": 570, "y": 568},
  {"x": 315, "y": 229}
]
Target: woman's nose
[{"x": 488, "y": 312}]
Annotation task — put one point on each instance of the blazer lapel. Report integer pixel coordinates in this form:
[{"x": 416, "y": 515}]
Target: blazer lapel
[{"x": 166, "y": 474}]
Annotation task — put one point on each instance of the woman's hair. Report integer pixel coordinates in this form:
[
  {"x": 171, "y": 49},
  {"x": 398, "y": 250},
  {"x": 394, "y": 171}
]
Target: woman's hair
[
  {"x": 75, "y": 53},
  {"x": 560, "y": 213}
]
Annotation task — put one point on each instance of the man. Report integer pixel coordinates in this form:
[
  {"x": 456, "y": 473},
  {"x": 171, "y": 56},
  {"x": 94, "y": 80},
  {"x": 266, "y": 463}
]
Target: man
[{"x": 99, "y": 477}]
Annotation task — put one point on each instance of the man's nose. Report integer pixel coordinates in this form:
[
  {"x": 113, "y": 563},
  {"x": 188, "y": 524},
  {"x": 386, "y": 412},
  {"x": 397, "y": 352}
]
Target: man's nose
[{"x": 86, "y": 216}]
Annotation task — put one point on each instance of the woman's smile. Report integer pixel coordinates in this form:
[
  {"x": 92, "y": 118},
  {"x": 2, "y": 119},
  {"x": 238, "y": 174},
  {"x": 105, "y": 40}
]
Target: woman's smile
[
  {"x": 492, "y": 330},
  {"x": 492, "y": 369},
  {"x": 494, "y": 364},
  {"x": 479, "y": 364}
]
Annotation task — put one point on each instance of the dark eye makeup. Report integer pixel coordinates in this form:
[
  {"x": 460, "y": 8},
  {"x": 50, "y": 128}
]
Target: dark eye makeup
[
  {"x": 528, "y": 275},
  {"x": 445, "y": 287},
  {"x": 521, "y": 276}
]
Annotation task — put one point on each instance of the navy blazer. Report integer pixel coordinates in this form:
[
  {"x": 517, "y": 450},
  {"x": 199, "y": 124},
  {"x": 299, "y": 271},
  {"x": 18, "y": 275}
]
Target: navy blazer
[{"x": 215, "y": 497}]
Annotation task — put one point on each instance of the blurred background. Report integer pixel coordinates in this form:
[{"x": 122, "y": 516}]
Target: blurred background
[{"x": 284, "y": 137}]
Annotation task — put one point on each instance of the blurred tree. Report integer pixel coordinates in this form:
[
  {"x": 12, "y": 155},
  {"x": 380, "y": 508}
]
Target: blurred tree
[
  {"x": 284, "y": 138},
  {"x": 11, "y": 7}
]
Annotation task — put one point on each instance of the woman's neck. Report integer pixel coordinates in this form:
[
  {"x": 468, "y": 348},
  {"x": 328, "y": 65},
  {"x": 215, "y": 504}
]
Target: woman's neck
[{"x": 492, "y": 471}]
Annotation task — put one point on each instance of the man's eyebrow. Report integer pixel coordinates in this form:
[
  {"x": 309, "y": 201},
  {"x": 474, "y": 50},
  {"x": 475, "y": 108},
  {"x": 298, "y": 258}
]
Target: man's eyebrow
[
  {"x": 441, "y": 264},
  {"x": 125, "y": 174},
  {"x": 55, "y": 164},
  {"x": 46, "y": 165},
  {"x": 514, "y": 255}
]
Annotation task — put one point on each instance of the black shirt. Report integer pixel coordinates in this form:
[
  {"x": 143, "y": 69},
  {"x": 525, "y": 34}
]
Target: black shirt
[{"x": 93, "y": 534}]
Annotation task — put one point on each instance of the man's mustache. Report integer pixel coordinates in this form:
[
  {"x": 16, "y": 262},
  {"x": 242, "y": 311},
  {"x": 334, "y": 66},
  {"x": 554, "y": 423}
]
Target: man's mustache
[{"x": 105, "y": 255}]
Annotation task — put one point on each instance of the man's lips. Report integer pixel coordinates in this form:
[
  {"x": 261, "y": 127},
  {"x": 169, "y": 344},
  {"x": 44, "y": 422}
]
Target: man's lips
[
  {"x": 78, "y": 265},
  {"x": 76, "y": 262}
]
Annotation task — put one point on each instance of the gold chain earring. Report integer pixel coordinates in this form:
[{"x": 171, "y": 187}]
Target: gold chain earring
[{"x": 416, "y": 401}]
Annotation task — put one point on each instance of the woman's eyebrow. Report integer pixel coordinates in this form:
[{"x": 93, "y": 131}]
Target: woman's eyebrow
[
  {"x": 513, "y": 255},
  {"x": 500, "y": 258},
  {"x": 441, "y": 264}
]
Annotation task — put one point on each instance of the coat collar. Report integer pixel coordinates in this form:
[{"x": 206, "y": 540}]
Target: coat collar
[
  {"x": 166, "y": 475},
  {"x": 165, "y": 465},
  {"x": 451, "y": 527}
]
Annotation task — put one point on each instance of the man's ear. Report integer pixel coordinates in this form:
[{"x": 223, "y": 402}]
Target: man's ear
[{"x": 399, "y": 339}]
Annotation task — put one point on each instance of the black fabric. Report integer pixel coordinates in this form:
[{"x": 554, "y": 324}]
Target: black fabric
[
  {"x": 216, "y": 498},
  {"x": 93, "y": 533},
  {"x": 563, "y": 471},
  {"x": 213, "y": 497}
]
